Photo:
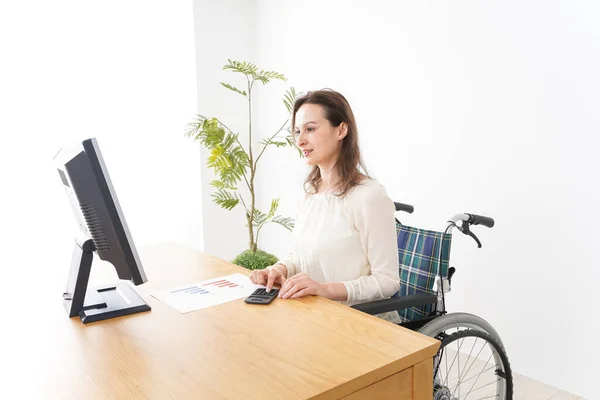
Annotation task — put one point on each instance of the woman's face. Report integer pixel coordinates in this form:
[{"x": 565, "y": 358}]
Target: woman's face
[{"x": 319, "y": 141}]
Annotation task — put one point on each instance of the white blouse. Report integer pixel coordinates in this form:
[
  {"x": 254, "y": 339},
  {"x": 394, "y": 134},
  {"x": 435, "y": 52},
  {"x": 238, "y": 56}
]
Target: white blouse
[{"x": 350, "y": 239}]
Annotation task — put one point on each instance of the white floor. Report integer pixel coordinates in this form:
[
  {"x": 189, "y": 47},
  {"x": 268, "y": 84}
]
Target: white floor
[
  {"x": 530, "y": 389},
  {"x": 478, "y": 377}
]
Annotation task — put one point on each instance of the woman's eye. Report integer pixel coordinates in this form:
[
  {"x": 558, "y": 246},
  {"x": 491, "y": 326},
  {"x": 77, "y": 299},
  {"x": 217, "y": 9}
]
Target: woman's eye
[{"x": 310, "y": 129}]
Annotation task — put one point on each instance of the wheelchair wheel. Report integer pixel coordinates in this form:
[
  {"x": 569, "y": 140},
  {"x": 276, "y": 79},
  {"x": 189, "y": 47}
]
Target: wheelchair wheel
[
  {"x": 471, "y": 365},
  {"x": 458, "y": 321}
]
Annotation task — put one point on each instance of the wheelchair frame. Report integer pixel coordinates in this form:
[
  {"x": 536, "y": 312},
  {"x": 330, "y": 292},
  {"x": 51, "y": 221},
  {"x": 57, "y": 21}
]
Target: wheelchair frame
[
  {"x": 396, "y": 302},
  {"x": 438, "y": 322}
]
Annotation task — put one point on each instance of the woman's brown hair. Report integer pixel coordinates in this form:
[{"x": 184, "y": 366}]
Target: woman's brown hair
[{"x": 337, "y": 110}]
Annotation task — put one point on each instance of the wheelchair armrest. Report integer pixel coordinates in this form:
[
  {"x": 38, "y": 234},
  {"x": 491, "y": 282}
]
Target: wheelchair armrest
[{"x": 396, "y": 303}]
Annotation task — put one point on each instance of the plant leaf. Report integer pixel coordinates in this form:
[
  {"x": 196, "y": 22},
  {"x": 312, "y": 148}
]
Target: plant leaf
[
  {"x": 194, "y": 128},
  {"x": 274, "y": 205},
  {"x": 227, "y": 158},
  {"x": 266, "y": 76},
  {"x": 230, "y": 176},
  {"x": 286, "y": 222},
  {"x": 228, "y": 86},
  {"x": 221, "y": 185},
  {"x": 241, "y": 67},
  {"x": 225, "y": 199},
  {"x": 289, "y": 98},
  {"x": 276, "y": 143},
  {"x": 292, "y": 144},
  {"x": 259, "y": 217},
  {"x": 206, "y": 131},
  {"x": 218, "y": 158}
]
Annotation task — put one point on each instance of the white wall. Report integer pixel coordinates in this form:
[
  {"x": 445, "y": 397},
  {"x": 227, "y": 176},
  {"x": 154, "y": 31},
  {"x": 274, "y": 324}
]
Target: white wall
[
  {"x": 123, "y": 72},
  {"x": 481, "y": 107}
]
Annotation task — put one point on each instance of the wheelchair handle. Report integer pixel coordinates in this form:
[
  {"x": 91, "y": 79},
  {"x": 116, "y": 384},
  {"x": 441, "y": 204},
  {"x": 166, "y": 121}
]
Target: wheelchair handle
[
  {"x": 473, "y": 219},
  {"x": 468, "y": 220},
  {"x": 459, "y": 217},
  {"x": 404, "y": 207},
  {"x": 480, "y": 220}
]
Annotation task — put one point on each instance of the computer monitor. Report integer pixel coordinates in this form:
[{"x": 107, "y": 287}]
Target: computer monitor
[{"x": 102, "y": 231}]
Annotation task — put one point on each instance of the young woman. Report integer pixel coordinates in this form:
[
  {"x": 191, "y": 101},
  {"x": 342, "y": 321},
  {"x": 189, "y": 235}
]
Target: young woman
[{"x": 344, "y": 242}]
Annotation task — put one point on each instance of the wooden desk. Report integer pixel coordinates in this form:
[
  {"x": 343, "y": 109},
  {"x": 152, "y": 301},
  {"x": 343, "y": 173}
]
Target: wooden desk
[{"x": 311, "y": 348}]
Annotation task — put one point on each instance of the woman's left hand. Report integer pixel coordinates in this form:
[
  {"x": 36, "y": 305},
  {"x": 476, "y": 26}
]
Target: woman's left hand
[{"x": 301, "y": 285}]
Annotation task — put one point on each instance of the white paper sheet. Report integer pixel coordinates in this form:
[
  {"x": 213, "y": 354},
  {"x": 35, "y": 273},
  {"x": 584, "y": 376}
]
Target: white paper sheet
[{"x": 207, "y": 293}]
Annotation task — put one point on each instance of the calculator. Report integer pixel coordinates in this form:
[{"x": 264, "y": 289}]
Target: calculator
[{"x": 260, "y": 296}]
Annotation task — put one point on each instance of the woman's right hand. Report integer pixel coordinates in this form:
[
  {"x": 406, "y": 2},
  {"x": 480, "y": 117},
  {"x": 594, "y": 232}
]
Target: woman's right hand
[{"x": 269, "y": 276}]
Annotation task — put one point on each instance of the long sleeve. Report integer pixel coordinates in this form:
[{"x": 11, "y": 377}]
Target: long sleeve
[
  {"x": 373, "y": 215},
  {"x": 289, "y": 263},
  {"x": 289, "y": 260}
]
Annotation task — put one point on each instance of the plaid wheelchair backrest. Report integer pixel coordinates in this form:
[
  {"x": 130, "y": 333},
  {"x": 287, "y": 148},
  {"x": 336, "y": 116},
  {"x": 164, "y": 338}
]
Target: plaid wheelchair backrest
[{"x": 419, "y": 255}]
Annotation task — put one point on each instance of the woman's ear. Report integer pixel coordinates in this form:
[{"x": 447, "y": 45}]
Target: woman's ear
[{"x": 343, "y": 131}]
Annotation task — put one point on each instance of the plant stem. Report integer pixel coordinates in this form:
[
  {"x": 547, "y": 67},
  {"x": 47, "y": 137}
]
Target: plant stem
[
  {"x": 243, "y": 202},
  {"x": 252, "y": 243},
  {"x": 265, "y": 146},
  {"x": 257, "y": 232}
]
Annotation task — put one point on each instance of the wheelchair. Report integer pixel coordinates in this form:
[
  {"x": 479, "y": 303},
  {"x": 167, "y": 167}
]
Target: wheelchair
[{"x": 471, "y": 362}]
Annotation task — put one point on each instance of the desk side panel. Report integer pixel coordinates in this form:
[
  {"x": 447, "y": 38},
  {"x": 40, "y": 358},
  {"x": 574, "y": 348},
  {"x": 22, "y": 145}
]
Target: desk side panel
[
  {"x": 397, "y": 387},
  {"x": 423, "y": 380}
]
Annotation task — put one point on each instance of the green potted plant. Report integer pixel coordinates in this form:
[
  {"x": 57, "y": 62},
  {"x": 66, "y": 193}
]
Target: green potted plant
[{"x": 236, "y": 166}]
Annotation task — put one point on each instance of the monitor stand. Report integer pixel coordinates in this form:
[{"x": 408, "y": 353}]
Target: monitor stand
[{"x": 100, "y": 303}]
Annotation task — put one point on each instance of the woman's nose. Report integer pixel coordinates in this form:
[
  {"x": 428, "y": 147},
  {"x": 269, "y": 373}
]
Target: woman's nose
[{"x": 300, "y": 139}]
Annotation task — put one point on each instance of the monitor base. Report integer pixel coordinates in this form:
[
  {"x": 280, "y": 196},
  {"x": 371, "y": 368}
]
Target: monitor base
[
  {"x": 96, "y": 304},
  {"x": 110, "y": 302}
]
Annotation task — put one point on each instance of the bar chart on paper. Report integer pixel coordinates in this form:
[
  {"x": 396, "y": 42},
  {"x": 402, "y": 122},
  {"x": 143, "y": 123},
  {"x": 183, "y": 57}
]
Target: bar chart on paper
[{"x": 207, "y": 293}]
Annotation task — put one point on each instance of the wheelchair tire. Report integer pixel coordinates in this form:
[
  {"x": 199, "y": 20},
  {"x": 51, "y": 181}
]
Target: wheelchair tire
[
  {"x": 459, "y": 321},
  {"x": 447, "y": 385}
]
